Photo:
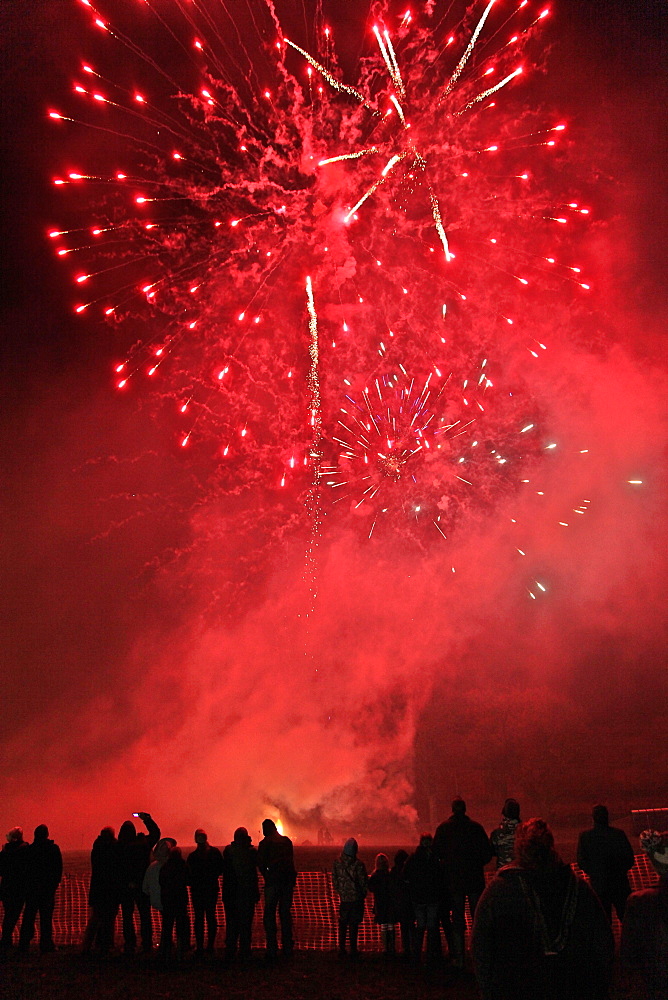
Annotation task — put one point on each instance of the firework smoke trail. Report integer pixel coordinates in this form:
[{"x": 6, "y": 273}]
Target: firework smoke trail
[
  {"x": 314, "y": 496},
  {"x": 231, "y": 189}
]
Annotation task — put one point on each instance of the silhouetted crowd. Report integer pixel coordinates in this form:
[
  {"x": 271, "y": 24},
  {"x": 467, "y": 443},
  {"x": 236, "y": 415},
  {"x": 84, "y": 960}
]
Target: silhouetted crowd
[
  {"x": 148, "y": 873},
  {"x": 539, "y": 931}
]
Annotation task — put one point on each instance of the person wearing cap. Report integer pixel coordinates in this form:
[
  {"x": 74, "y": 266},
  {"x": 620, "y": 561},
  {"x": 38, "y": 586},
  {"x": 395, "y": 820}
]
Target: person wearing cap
[
  {"x": 241, "y": 892},
  {"x": 205, "y": 865},
  {"x": 350, "y": 881}
]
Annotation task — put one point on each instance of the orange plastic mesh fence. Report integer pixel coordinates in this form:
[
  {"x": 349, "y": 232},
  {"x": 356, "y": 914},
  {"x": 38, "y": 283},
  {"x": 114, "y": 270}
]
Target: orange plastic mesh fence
[{"x": 315, "y": 910}]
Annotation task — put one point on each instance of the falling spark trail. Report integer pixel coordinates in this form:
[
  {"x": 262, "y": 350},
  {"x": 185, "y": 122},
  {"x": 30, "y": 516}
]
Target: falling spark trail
[
  {"x": 314, "y": 496},
  {"x": 331, "y": 80},
  {"x": 374, "y": 187},
  {"x": 492, "y": 90},
  {"x": 467, "y": 53},
  {"x": 348, "y": 156}
]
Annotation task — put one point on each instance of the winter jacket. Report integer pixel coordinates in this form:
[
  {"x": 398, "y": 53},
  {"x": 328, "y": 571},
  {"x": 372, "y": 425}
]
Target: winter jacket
[
  {"x": 644, "y": 946},
  {"x": 275, "y": 859},
  {"x": 605, "y": 855},
  {"x": 464, "y": 848},
  {"x": 240, "y": 881},
  {"x": 502, "y": 841},
  {"x": 350, "y": 879},
  {"x": 384, "y": 909},
  {"x": 541, "y": 935},
  {"x": 105, "y": 885},
  {"x": 205, "y": 865},
  {"x": 173, "y": 880},
  {"x": 424, "y": 876},
  {"x": 45, "y": 869},
  {"x": 14, "y": 871}
]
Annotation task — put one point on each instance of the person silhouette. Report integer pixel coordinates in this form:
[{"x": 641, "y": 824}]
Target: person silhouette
[
  {"x": 502, "y": 838},
  {"x": 205, "y": 865},
  {"x": 464, "y": 848},
  {"x": 240, "y": 893},
  {"x": 104, "y": 895},
  {"x": 135, "y": 856},
  {"x": 275, "y": 859},
  {"x": 350, "y": 881},
  {"x": 14, "y": 874},
  {"x": 174, "y": 899},
  {"x": 606, "y": 856},
  {"x": 384, "y": 911},
  {"x": 45, "y": 870}
]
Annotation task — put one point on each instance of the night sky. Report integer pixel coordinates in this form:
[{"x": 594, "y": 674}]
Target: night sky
[{"x": 154, "y": 646}]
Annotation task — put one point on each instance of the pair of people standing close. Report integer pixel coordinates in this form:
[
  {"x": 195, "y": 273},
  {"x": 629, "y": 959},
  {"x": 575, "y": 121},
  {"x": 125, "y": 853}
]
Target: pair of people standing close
[
  {"x": 118, "y": 869},
  {"x": 123, "y": 875},
  {"x": 29, "y": 878},
  {"x": 201, "y": 871}
]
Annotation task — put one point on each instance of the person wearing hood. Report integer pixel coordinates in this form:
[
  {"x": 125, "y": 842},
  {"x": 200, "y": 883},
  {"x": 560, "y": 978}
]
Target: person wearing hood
[
  {"x": 45, "y": 870},
  {"x": 350, "y": 882},
  {"x": 135, "y": 855},
  {"x": 503, "y": 838},
  {"x": 205, "y": 865},
  {"x": 151, "y": 884},
  {"x": 240, "y": 893},
  {"x": 539, "y": 931},
  {"x": 275, "y": 859},
  {"x": 14, "y": 873}
]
